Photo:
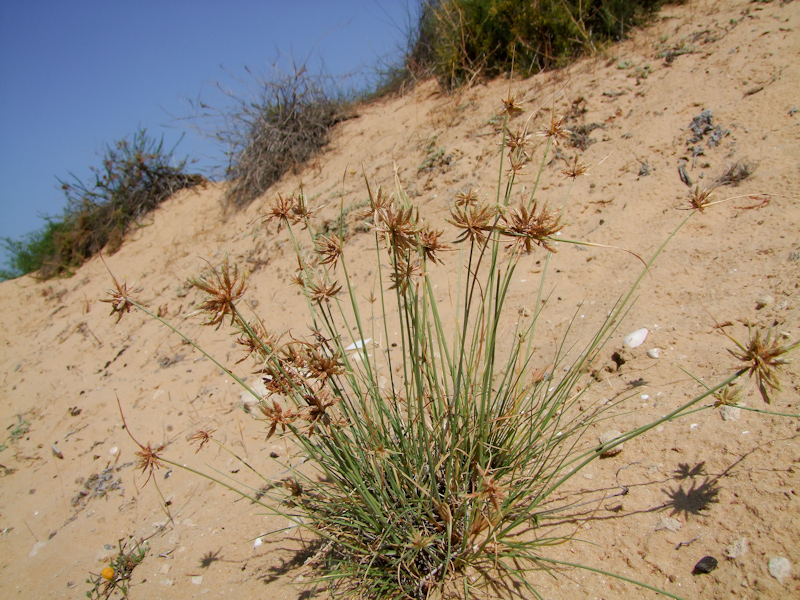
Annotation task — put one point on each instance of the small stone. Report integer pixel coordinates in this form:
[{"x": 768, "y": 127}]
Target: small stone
[
  {"x": 197, "y": 579},
  {"x": 737, "y": 549},
  {"x": 705, "y": 565},
  {"x": 654, "y": 352},
  {"x": 764, "y": 301},
  {"x": 730, "y": 413},
  {"x": 780, "y": 568},
  {"x": 669, "y": 523},
  {"x": 607, "y": 437}
]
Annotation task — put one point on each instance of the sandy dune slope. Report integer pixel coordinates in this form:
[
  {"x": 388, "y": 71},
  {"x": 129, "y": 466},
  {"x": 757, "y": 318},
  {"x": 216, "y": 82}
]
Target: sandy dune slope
[{"x": 64, "y": 361}]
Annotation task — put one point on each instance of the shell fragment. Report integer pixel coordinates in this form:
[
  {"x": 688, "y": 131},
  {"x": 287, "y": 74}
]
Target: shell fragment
[{"x": 632, "y": 340}]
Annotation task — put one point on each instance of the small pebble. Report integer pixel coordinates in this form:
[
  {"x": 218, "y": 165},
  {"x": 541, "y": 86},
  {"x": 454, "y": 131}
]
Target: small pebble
[
  {"x": 654, "y": 352},
  {"x": 198, "y": 579},
  {"x": 669, "y": 523},
  {"x": 257, "y": 542},
  {"x": 632, "y": 340},
  {"x": 764, "y": 301},
  {"x": 737, "y": 549},
  {"x": 705, "y": 565},
  {"x": 730, "y": 413},
  {"x": 607, "y": 437},
  {"x": 780, "y": 568}
]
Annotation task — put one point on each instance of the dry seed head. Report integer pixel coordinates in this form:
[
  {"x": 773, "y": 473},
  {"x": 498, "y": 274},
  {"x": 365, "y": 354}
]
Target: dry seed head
[
  {"x": 699, "y": 199},
  {"x": 280, "y": 210},
  {"x": 518, "y": 140},
  {"x": 321, "y": 365},
  {"x": 329, "y": 249},
  {"x": 408, "y": 268},
  {"x": 430, "y": 244},
  {"x": 530, "y": 228},
  {"x": 474, "y": 221},
  {"x": 277, "y": 417},
  {"x": 555, "y": 130},
  {"x": 511, "y": 106},
  {"x": 399, "y": 227},
  {"x": 120, "y": 300},
  {"x": 320, "y": 291},
  {"x": 761, "y": 358},
  {"x": 576, "y": 169},
  {"x": 223, "y": 288},
  {"x": 203, "y": 436},
  {"x": 149, "y": 459},
  {"x": 468, "y": 198}
]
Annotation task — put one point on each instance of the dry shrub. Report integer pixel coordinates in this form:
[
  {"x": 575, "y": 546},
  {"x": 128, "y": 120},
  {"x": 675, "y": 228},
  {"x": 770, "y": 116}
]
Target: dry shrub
[{"x": 284, "y": 124}]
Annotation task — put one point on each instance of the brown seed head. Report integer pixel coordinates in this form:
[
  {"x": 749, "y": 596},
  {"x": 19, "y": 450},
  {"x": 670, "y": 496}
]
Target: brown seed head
[
  {"x": 277, "y": 417},
  {"x": 223, "y": 289},
  {"x": 280, "y": 210},
  {"x": 700, "y": 199},
  {"x": 408, "y": 268},
  {"x": 203, "y": 436},
  {"x": 149, "y": 459},
  {"x": 330, "y": 249},
  {"x": 467, "y": 198},
  {"x": 475, "y": 221},
  {"x": 529, "y": 228},
  {"x": 576, "y": 169},
  {"x": 555, "y": 130},
  {"x": 761, "y": 357},
  {"x": 511, "y": 106},
  {"x": 430, "y": 244},
  {"x": 120, "y": 300},
  {"x": 399, "y": 227},
  {"x": 320, "y": 290}
]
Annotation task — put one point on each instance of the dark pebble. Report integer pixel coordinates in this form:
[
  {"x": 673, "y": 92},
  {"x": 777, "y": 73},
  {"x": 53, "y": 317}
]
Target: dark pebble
[
  {"x": 705, "y": 565},
  {"x": 273, "y": 455}
]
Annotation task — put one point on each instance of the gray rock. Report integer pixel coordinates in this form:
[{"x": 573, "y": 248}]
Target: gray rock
[
  {"x": 669, "y": 523},
  {"x": 737, "y": 549},
  {"x": 780, "y": 568},
  {"x": 730, "y": 413},
  {"x": 607, "y": 437}
]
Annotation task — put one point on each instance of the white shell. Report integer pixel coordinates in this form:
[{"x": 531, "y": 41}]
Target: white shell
[
  {"x": 654, "y": 353},
  {"x": 257, "y": 542},
  {"x": 632, "y": 340},
  {"x": 358, "y": 345}
]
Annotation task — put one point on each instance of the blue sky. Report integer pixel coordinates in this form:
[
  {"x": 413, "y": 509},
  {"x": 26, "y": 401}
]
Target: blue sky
[{"x": 75, "y": 76}]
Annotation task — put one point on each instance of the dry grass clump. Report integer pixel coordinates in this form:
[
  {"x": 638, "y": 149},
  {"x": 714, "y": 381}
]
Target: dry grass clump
[
  {"x": 736, "y": 173},
  {"x": 436, "y": 460}
]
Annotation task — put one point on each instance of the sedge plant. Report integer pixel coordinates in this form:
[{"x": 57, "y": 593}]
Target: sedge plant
[{"x": 431, "y": 464}]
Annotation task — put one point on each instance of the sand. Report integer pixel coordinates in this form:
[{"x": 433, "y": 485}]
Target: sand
[{"x": 694, "y": 487}]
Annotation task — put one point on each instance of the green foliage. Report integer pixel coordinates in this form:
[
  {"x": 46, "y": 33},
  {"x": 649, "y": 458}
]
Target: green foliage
[
  {"x": 136, "y": 174},
  {"x": 116, "y": 577},
  {"x": 458, "y": 40}
]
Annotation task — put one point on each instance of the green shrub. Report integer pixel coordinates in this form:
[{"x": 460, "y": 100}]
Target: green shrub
[
  {"x": 458, "y": 40},
  {"x": 135, "y": 176}
]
